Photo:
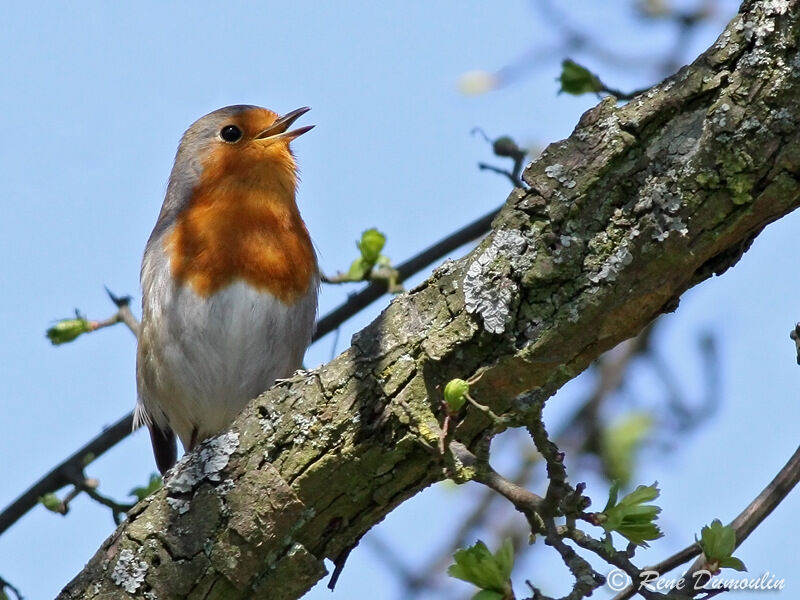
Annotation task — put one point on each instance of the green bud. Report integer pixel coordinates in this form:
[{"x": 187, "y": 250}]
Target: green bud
[
  {"x": 51, "y": 502},
  {"x": 506, "y": 147},
  {"x": 371, "y": 243},
  {"x": 576, "y": 79},
  {"x": 67, "y": 330},
  {"x": 718, "y": 542},
  {"x": 358, "y": 270},
  {"x": 455, "y": 394}
]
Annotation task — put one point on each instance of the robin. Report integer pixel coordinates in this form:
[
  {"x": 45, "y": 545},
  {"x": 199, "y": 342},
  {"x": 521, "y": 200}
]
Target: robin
[{"x": 229, "y": 278}]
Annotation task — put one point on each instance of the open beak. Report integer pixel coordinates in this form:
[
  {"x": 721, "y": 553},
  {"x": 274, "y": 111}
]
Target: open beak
[{"x": 280, "y": 128}]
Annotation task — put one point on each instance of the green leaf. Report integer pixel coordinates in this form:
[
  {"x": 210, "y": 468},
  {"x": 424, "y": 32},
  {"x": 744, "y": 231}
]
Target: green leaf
[
  {"x": 488, "y": 595},
  {"x": 143, "y": 492},
  {"x": 455, "y": 394},
  {"x": 358, "y": 270},
  {"x": 3, "y": 595},
  {"x": 619, "y": 443},
  {"x": 66, "y": 330},
  {"x": 371, "y": 243},
  {"x": 505, "y": 558},
  {"x": 478, "y": 566},
  {"x": 718, "y": 542},
  {"x": 576, "y": 79},
  {"x": 632, "y": 517},
  {"x": 732, "y": 563},
  {"x": 613, "y": 492},
  {"x": 52, "y": 502}
]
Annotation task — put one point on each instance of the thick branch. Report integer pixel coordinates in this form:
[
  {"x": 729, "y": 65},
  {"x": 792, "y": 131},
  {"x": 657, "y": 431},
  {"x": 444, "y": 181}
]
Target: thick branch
[
  {"x": 55, "y": 479},
  {"x": 639, "y": 204}
]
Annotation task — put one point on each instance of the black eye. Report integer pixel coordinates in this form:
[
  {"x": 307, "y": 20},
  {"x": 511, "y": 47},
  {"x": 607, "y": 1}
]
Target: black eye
[{"x": 230, "y": 133}]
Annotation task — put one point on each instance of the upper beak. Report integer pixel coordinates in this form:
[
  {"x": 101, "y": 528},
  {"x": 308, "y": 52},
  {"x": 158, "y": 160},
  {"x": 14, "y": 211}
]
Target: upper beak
[{"x": 280, "y": 128}]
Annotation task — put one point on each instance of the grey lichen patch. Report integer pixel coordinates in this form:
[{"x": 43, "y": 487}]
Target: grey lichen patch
[
  {"x": 561, "y": 174},
  {"x": 303, "y": 427},
  {"x": 776, "y": 7},
  {"x": 488, "y": 287},
  {"x": 680, "y": 139},
  {"x": 612, "y": 133},
  {"x": 205, "y": 464},
  {"x": 129, "y": 572},
  {"x": 615, "y": 263},
  {"x": 179, "y": 505},
  {"x": 660, "y": 204}
]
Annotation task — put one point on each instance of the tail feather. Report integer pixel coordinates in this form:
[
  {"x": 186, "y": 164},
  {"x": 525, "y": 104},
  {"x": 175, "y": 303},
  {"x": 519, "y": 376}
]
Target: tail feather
[{"x": 165, "y": 447}]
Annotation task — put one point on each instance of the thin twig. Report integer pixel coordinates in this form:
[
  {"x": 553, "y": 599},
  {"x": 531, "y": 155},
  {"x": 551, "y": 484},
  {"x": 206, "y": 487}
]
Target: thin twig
[
  {"x": 515, "y": 181},
  {"x": 620, "y": 95},
  {"x": 5, "y": 585},
  {"x": 55, "y": 479},
  {"x": 90, "y": 489},
  {"x": 124, "y": 314},
  {"x": 586, "y": 578},
  {"x": 60, "y": 475},
  {"x": 363, "y": 298},
  {"x": 795, "y": 335},
  {"x": 744, "y": 524}
]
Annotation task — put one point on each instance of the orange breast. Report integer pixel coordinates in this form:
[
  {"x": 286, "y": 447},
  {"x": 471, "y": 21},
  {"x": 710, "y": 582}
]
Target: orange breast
[{"x": 250, "y": 231}]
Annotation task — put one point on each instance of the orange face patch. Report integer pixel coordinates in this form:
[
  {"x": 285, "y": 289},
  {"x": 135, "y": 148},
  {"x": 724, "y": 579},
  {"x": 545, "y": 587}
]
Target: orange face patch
[{"x": 242, "y": 221}]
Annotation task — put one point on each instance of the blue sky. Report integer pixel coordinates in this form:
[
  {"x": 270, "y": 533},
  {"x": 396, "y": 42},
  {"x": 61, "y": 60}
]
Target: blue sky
[{"x": 97, "y": 97}]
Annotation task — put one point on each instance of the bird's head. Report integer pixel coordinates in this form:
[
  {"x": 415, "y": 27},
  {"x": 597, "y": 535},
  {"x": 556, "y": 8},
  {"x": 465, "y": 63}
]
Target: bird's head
[{"x": 238, "y": 146}]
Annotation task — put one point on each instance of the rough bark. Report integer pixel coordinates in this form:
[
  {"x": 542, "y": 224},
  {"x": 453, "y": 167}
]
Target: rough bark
[{"x": 640, "y": 203}]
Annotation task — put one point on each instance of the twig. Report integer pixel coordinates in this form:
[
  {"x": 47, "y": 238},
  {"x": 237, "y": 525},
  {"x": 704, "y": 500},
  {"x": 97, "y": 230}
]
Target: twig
[
  {"x": 620, "y": 95},
  {"x": 515, "y": 180},
  {"x": 523, "y": 500},
  {"x": 610, "y": 555},
  {"x": 795, "y": 335},
  {"x": 89, "y": 487},
  {"x": 124, "y": 314},
  {"x": 744, "y": 524},
  {"x": 61, "y": 474},
  {"x": 760, "y": 508},
  {"x": 5, "y": 585},
  {"x": 557, "y": 489},
  {"x": 56, "y": 478},
  {"x": 416, "y": 582},
  {"x": 586, "y": 578},
  {"x": 360, "y": 300},
  {"x": 505, "y": 147},
  {"x": 63, "y": 508}
]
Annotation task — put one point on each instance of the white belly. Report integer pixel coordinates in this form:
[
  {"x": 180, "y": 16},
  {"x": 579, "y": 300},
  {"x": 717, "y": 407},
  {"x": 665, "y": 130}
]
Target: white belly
[{"x": 202, "y": 359}]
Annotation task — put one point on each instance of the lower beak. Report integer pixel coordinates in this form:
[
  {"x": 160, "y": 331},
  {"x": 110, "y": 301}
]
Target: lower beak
[{"x": 280, "y": 128}]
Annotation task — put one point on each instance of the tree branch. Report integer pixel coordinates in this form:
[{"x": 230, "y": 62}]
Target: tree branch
[
  {"x": 65, "y": 472},
  {"x": 55, "y": 478},
  {"x": 366, "y": 296},
  {"x": 639, "y": 204},
  {"x": 744, "y": 524}
]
